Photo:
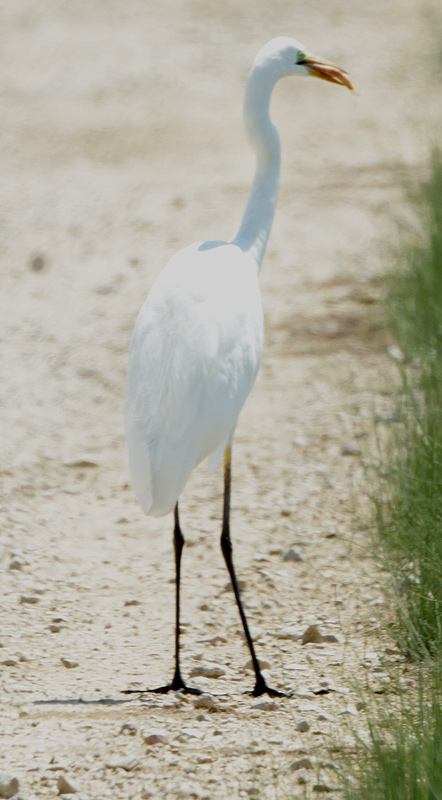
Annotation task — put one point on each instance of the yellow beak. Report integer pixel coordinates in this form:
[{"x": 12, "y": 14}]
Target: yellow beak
[{"x": 326, "y": 71}]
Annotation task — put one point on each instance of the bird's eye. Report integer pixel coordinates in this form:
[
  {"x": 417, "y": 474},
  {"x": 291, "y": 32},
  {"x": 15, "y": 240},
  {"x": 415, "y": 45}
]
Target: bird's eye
[{"x": 300, "y": 58}]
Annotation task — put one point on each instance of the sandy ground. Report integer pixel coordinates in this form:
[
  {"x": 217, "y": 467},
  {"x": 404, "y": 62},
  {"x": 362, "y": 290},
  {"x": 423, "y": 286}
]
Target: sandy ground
[{"x": 122, "y": 141}]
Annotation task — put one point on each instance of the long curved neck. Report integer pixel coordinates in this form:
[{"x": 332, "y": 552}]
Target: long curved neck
[{"x": 254, "y": 230}]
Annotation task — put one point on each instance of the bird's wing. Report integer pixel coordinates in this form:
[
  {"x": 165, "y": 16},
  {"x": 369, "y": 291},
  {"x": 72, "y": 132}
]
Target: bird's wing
[{"x": 194, "y": 356}]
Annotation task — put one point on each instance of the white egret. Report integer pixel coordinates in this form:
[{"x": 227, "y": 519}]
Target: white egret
[{"x": 197, "y": 342}]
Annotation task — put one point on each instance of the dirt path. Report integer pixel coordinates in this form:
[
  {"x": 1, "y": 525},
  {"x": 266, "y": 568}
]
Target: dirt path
[{"x": 121, "y": 141}]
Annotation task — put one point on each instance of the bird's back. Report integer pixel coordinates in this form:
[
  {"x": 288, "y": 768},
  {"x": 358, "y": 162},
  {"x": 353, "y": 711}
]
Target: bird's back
[{"x": 194, "y": 356}]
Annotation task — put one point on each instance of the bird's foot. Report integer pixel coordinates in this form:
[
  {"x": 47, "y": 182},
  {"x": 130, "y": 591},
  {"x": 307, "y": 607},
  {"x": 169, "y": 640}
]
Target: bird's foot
[
  {"x": 173, "y": 688},
  {"x": 177, "y": 685},
  {"x": 262, "y": 688}
]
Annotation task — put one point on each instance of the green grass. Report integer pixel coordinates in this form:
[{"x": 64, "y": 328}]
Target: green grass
[
  {"x": 409, "y": 510},
  {"x": 403, "y": 760},
  {"x": 409, "y": 527},
  {"x": 414, "y": 285},
  {"x": 403, "y": 757}
]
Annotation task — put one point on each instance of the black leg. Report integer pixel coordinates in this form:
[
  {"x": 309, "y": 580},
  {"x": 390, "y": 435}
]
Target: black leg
[
  {"x": 177, "y": 681},
  {"x": 178, "y": 543},
  {"x": 226, "y": 547}
]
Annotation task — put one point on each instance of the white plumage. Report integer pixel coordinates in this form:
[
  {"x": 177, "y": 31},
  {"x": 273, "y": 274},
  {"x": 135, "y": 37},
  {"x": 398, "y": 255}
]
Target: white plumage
[
  {"x": 197, "y": 343},
  {"x": 195, "y": 353}
]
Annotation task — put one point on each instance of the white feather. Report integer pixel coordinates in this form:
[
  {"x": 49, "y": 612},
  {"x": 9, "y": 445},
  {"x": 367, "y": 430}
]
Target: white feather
[{"x": 195, "y": 353}]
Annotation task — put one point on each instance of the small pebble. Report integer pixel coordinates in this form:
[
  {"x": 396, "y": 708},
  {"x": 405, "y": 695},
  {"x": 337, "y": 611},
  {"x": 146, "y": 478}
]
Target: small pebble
[
  {"x": 80, "y": 463},
  {"x": 302, "y": 777},
  {"x": 69, "y": 663},
  {"x": 349, "y": 710},
  {"x": 303, "y": 726},
  {"x": 129, "y": 729},
  {"x": 350, "y": 449},
  {"x": 9, "y": 662},
  {"x": 263, "y": 663},
  {"x": 216, "y": 640},
  {"x": 148, "y": 794},
  {"x": 105, "y": 288},
  {"x": 395, "y": 352},
  {"x": 205, "y": 700},
  {"x": 17, "y": 562},
  {"x": 265, "y": 705},
  {"x": 192, "y": 733},
  {"x": 292, "y": 555},
  {"x": 37, "y": 262},
  {"x": 312, "y": 634},
  {"x": 241, "y": 586},
  {"x": 40, "y": 589},
  {"x": 208, "y": 671},
  {"x": 8, "y": 785},
  {"x": 301, "y": 763},
  {"x": 29, "y": 599},
  {"x": 155, "y": 738},
  {"x": 330, "y": 637},
  {"x": 23, "y": 657},
  {"x": 288, "y": 633},
  {"x": 66, "y": 786},
  {"x": 389, "y": 651}
]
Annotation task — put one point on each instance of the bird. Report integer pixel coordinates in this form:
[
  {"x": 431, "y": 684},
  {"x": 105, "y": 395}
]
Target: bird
[{"x": 197, "y": 342}]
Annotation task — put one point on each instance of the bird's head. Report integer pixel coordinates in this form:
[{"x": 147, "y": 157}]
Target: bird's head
[{"x": 286, "y": 56}]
